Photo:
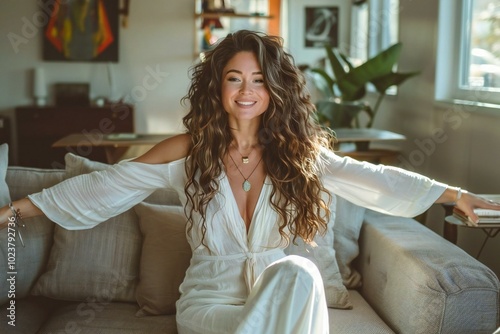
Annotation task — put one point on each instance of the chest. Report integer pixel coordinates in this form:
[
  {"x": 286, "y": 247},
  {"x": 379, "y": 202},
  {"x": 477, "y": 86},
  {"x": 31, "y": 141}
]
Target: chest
[{"x": 246, "y": 180}]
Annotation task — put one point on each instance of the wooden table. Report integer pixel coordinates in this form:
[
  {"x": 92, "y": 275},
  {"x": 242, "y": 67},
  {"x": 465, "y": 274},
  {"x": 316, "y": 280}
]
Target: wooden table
[
  {"x": 366, "y": 134},
  {"x": 115, "y": 144},
  {"x": 490, "y": 230}
]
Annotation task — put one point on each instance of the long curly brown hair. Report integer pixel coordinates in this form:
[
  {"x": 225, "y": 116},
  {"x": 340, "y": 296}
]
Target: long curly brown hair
[{"x": 292, "y": 140}]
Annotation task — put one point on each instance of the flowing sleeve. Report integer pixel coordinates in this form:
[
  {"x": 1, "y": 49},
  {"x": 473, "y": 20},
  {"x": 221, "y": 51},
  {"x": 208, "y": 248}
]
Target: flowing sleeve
[
  {"x": 385, "y": 189},
  {"x": 83, "y": 201}
]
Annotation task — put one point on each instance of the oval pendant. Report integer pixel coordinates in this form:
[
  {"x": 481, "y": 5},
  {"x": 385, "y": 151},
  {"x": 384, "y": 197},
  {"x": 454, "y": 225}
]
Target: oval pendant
[{"x": 246, "y": 185}]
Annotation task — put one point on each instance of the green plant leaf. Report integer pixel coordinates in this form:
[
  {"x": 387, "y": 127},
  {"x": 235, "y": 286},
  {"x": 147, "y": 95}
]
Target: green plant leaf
[
  {"x": 380, "y": 65},
  {"x": 392, "y": 79},
  {"x": 326, "y": 84},
  {"x": 336, "y": 62}
]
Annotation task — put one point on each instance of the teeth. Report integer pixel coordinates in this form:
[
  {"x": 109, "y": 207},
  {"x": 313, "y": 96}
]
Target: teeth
[{"x": 246, "y": 103}]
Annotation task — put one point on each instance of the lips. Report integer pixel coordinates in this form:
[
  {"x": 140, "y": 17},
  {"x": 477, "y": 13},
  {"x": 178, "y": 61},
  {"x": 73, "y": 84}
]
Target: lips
[{"x": 246, "y": 103}]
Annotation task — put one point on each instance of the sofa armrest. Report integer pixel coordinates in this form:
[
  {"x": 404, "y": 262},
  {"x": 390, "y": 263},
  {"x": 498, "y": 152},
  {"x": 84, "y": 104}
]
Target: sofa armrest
[{"x": 420, "y": 283}]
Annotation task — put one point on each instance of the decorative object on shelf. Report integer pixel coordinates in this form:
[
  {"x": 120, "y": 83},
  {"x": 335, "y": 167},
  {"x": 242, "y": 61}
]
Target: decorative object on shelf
[
  {"x": 322, "y": 26},
  {"x": 229, "y": 16},
  {"x": 343, "y": 92},
  {"x": 82, "y": 31},
  {"x": 39, "y": 87},
  {"x": 215, "y": 6},
  {"x": 125, "y": 11},
  {"x": 208, "y": 26},
  {"x": 72, "y": 94}
]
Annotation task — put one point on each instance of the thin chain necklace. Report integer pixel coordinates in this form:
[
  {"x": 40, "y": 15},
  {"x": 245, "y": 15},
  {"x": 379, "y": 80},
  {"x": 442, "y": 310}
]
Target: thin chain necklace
[
  {"x": 244, "y": 159},
  {"x": 246, "y": 184}
]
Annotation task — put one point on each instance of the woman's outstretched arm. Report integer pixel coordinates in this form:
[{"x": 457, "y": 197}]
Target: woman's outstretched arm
[
  {"x": 102, "y": 183},
  {"x": 25, "y": 207}
]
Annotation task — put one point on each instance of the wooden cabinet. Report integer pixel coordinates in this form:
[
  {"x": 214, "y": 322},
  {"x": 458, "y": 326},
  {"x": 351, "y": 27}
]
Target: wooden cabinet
[{"x": 38, "y": 128}]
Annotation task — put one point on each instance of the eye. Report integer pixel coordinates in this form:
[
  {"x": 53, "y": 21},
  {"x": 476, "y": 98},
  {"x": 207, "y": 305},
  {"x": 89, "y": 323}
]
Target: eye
[
  {"x": 259, "y": 81},
  {"x": 233, "y": 79}
]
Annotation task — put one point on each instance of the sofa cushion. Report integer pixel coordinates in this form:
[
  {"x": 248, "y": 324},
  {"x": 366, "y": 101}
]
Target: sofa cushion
[
  {"x": 100, "y": 263},
  {"x": 347, "y": 227},
  {"x": 109, "y": 318},
  {"x": 323, "y": 255},
  {"x": 4, "y": 162},
  {"x": 31, "y": 313},
  {"x": 164, "y": 259},
  {"x": 361, "y": 319}
]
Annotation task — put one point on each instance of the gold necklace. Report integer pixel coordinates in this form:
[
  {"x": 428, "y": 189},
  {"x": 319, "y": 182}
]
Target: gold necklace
[
  {"x": 246, "y": 184},
  {"x": 244, "y": 159}
]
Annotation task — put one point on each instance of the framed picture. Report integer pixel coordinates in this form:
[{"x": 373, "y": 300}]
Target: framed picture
[
  {"x": 82, "y": 31},
  {"x": 321, "y": 26}
]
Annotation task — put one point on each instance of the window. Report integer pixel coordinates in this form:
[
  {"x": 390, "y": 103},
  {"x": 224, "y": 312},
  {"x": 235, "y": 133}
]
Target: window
[
  {"x": 468, "y": 60},
  {"x": 374, "y": 27}
]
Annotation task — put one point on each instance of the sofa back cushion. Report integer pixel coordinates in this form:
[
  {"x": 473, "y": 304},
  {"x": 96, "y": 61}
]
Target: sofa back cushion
[
  {"x": 29, "y": 260},
  {"x": 323, "y": 256},
  {"x": 101, "y": 263},
  {"x": 348, "y": 221},
  {"x": 165, "y": 257}
]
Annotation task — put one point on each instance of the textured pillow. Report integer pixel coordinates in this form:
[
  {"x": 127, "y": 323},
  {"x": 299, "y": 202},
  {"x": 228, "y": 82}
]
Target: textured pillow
[
  {"x": 348, "y": 221},
  {"x": 76, "y": 165},
  {"x": 101, "y": 263},
  {"x": 164, "y": 259},
  {"x": 323, "y": 255}
]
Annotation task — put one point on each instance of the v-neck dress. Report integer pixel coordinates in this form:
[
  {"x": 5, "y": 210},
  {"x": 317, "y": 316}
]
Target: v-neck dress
[{"x": 233, "y": 278}]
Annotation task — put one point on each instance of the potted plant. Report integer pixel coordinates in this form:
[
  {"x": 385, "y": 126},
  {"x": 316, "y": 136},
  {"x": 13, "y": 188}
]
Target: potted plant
[{"x": 344, "y": 91}]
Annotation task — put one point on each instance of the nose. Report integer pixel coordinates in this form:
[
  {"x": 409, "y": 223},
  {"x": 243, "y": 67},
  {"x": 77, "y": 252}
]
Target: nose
[{"x": 245, "y": 88}]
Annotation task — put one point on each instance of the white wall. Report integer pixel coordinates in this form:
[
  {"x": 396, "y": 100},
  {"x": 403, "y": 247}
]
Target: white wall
[{"x": 159, "y": 39}]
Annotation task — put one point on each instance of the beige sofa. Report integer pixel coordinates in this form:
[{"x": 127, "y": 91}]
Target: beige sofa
[{"x": 403, "y": 278}]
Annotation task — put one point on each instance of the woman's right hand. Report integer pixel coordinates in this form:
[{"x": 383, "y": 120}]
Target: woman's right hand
[
  {"x": 25, "y": 207},
  {"x": 5, "y": 214}
]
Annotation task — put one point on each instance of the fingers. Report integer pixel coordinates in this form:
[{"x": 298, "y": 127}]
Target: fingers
[{"x": 489, "y": 204}]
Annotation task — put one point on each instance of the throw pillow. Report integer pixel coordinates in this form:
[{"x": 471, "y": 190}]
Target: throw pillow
[
  {"x": 348, "y": 221},
  {"x": 164, "y": 259},
  {"x": 323, "y": 255},
  {"x": 96, "y": 264}
]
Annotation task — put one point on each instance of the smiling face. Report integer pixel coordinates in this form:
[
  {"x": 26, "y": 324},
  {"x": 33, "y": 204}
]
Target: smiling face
[{"x": 244, "y": 95}]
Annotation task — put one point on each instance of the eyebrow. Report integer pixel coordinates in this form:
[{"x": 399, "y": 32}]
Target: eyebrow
[{"x": 239, "y": 72}]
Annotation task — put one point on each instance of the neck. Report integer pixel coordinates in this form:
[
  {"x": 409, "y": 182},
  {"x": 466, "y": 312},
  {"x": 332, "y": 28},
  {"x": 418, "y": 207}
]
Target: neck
[{"x": 244, "y": 138}]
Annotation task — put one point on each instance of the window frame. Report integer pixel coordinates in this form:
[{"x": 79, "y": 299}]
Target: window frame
[{"x": 453, "y": 39}]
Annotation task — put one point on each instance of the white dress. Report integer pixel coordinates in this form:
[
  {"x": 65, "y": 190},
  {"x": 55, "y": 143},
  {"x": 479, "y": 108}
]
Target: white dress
[{"x": 243, "y": 282}]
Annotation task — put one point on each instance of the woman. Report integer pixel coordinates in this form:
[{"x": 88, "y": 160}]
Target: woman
[{"x": 254, "y": 172}]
